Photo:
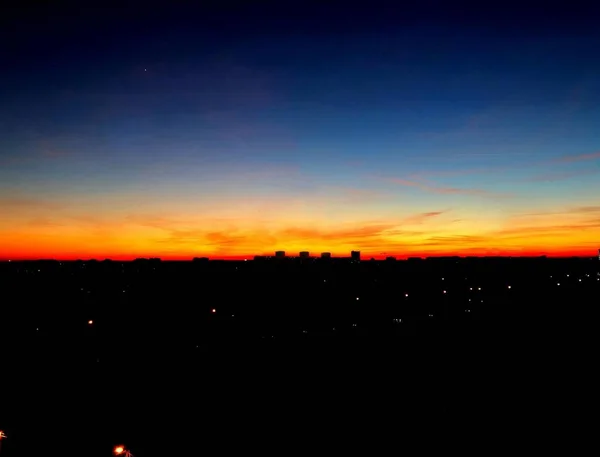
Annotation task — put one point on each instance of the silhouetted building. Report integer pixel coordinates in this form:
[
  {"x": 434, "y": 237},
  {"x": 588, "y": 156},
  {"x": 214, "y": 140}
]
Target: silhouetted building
[
  {"x": 326, "y": 255},
  {"x": 390, "y": 259},
  {"x": 304, "y": 255},
  {"x": 280, "y": 254},
  {"x": 355, "y": 256},
  {"x": 200, "y": 259}
]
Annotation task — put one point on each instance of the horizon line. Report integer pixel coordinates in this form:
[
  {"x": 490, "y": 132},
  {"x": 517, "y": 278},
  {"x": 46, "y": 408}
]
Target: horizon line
[{"x": 272, "y": 257}]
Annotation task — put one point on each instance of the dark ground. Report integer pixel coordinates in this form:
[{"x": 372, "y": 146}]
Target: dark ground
[{"x": 160, "y": 372}]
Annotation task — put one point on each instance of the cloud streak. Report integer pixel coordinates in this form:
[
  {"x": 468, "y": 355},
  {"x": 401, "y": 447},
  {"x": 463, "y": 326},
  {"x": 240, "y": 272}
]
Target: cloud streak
[
  {"x": 578, "y": 158},
  {"x": 419, "y": 177},
  {"x": 433, "y": 188},
  {"x": 560, "y": 175},
  {"x": 12, "y": 203}
]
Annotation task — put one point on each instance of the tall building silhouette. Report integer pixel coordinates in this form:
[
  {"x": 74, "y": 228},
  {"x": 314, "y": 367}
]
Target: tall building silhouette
[
  {"x": 304, "y": 255},
  {"x": 326, "y": 255},
  {"x": 280, "y": 254},
  {"x": 355, "y": 256}
]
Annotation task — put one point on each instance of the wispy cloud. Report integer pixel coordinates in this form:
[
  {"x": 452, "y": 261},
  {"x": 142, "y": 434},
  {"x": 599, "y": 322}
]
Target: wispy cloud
[
  {"x": 573, "y": 210},
  {"x": 43, "y": 222},
  {"x": 434, "y": 188},
  {"x": 578, "y": 158},
  {"x": 421, "y": 218},
  {"x": 218, "y": 240},
  {"x": 454, "y": 241},
  {"x": 456, "y": 172},
  {"x": 586, "y": 209},
  {"x": 55, "y": 153},
  {"x": 12, "y": 203},
  {"x": 560, "y": 175},
  {"x": 553, "y": 229},
  {"x": 350, "y": 234},
  {"x": 365, "y": 235},
  {"x": 425, "y": 175},
  {"x": 42, "y": 152}
]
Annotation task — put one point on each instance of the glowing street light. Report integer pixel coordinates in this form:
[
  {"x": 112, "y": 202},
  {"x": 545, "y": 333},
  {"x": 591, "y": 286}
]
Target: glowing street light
[
  {"x": 120, "y": 450},
  {"x": 2, "y": 437}
]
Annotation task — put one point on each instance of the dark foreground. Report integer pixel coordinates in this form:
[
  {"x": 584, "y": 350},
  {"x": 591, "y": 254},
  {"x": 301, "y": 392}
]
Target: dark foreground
[{"x": 183, "y": 357}]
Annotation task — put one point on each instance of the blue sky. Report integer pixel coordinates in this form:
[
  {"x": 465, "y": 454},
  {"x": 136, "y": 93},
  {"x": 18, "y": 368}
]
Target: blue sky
[{"x": 363, "y": 113}]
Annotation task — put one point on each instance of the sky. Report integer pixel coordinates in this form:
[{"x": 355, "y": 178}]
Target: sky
[{"x": 229, "y": 131}]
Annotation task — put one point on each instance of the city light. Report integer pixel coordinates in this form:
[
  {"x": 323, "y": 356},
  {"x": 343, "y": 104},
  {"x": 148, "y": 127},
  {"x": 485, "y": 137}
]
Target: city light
[
  {"x": 2, "y": 436},
  {"x": 90, "y": 322},
  {"x": 120, "y": 450}
]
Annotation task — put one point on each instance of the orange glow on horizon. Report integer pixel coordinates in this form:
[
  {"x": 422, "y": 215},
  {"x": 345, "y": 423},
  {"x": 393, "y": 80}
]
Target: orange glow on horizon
[
  {"x": 468, "y": 232},
  {"x": 364, "y": 256}
]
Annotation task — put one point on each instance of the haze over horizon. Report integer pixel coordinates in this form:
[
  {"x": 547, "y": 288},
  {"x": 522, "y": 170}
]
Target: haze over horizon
[{"x": 231, "y": 132}]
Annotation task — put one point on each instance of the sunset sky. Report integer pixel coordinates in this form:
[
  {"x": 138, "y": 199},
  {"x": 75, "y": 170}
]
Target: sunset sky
[{"x": 233, "y": 132}]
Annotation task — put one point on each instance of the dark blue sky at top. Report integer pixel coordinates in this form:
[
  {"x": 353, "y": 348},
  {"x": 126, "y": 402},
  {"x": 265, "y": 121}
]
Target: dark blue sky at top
[{"x": 384, "y": 84}]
